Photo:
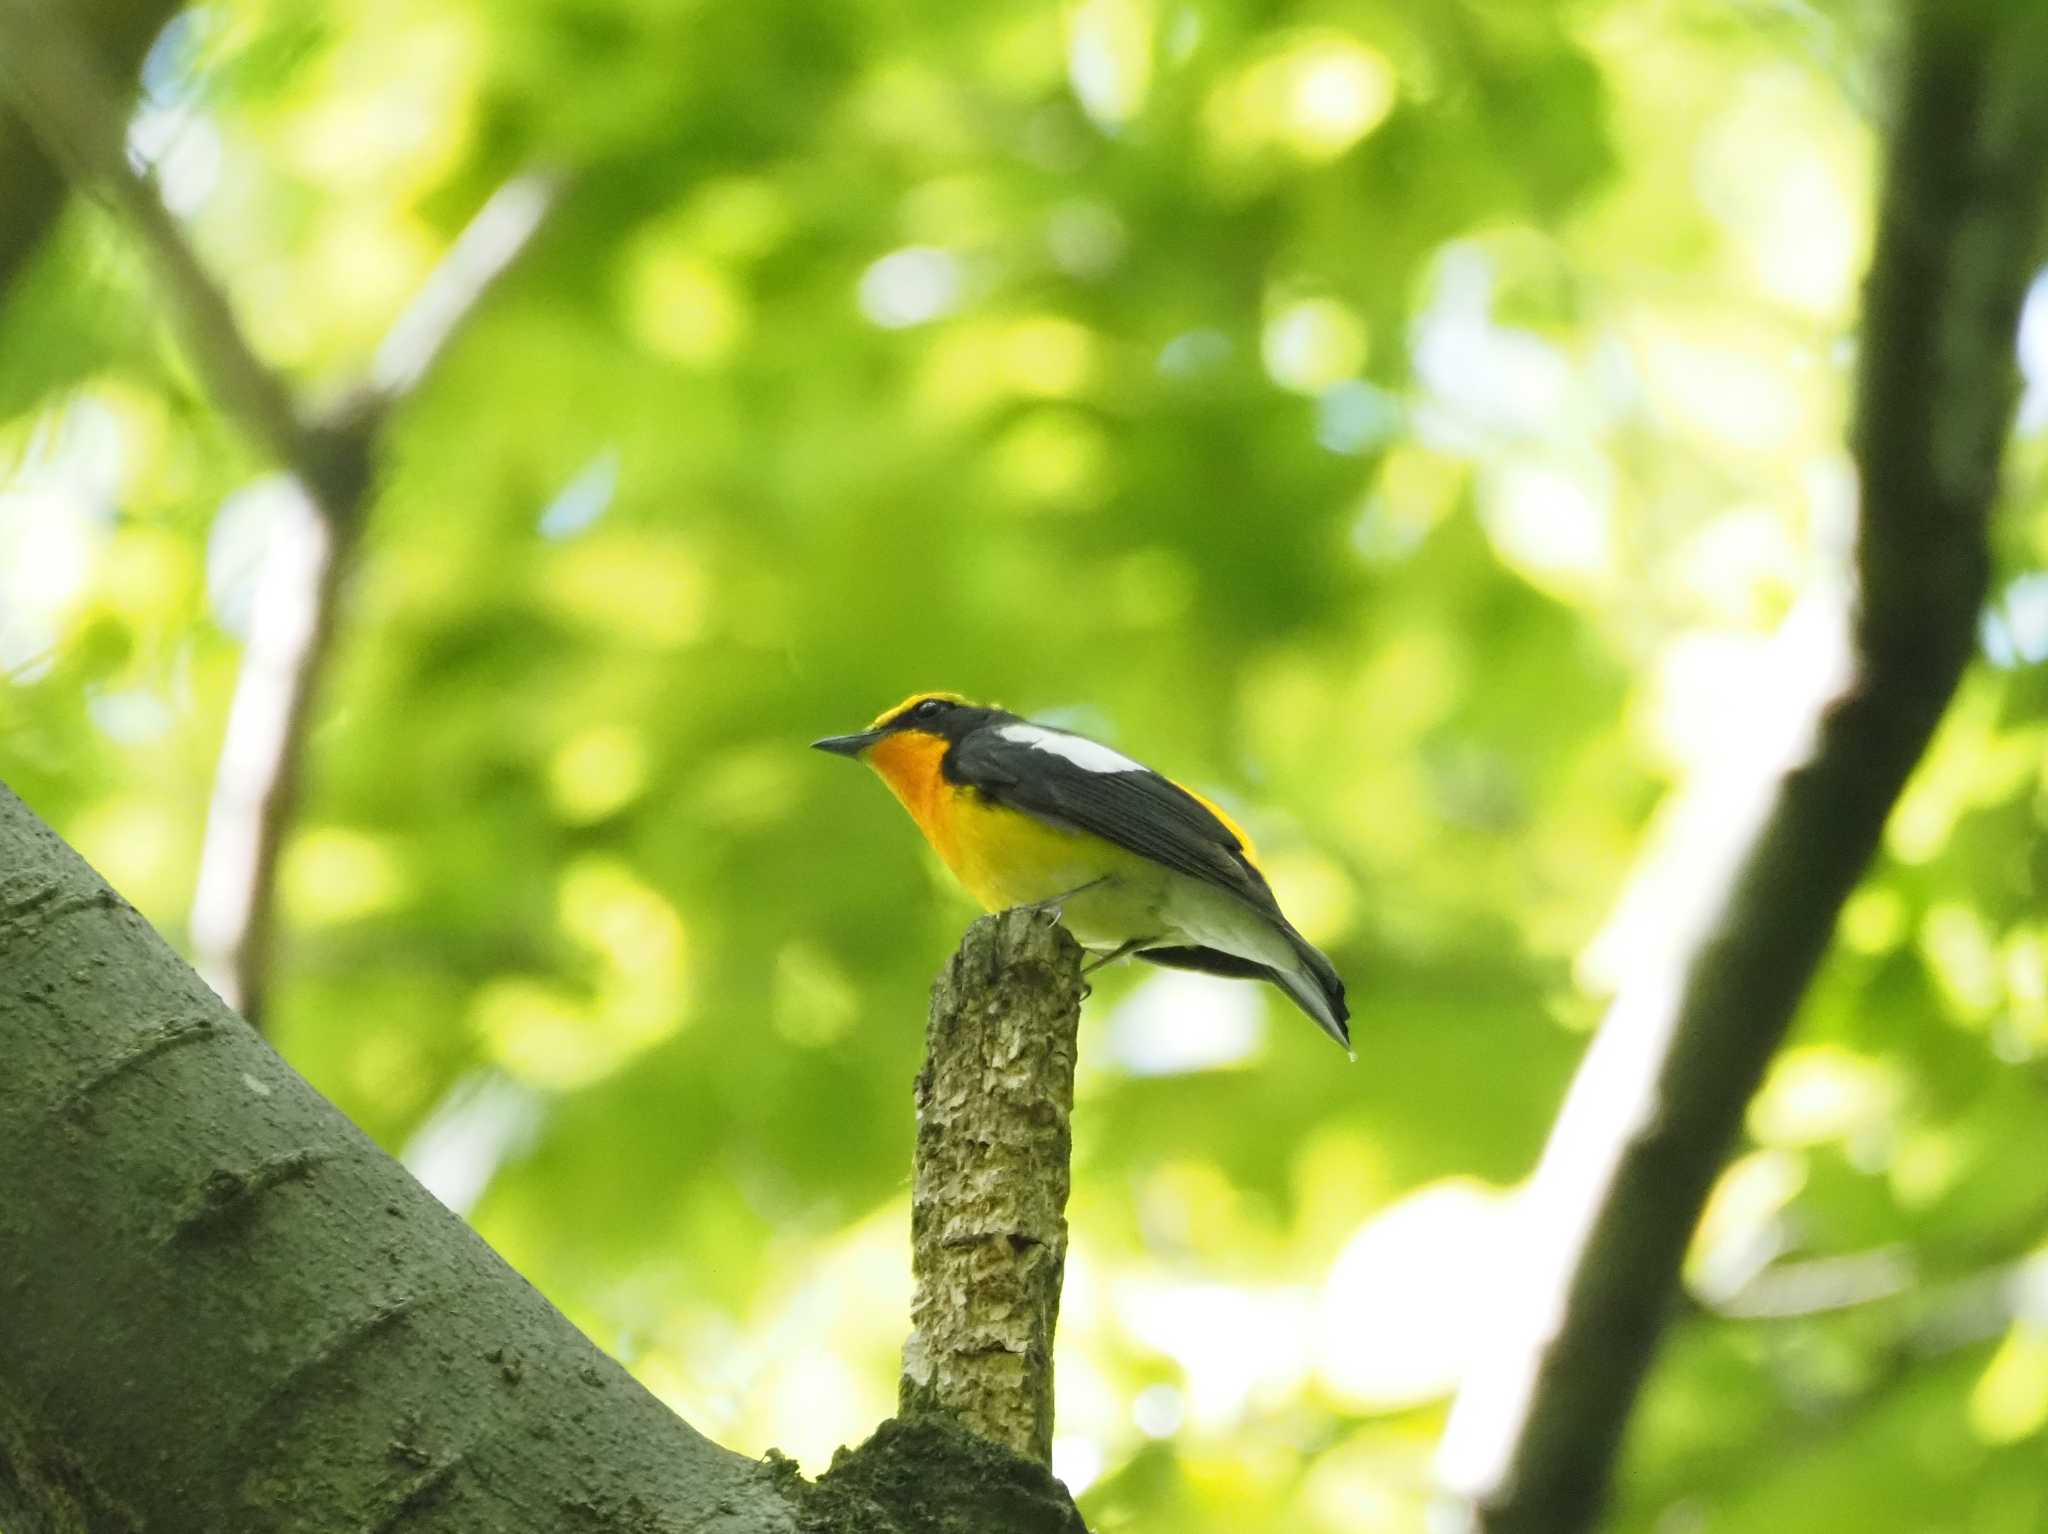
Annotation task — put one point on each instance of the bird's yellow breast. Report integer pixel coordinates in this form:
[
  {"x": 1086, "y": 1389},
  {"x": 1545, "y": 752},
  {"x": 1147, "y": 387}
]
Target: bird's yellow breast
[{"x": 1001, "y": 856}]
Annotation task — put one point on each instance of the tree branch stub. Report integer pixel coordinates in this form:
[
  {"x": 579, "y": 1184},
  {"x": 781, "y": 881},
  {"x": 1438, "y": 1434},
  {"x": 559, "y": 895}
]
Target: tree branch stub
[{"x": 988, "y": 1203}]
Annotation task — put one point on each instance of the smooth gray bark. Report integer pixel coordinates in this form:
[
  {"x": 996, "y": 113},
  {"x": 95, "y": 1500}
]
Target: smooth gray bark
[
  {"x": 989, "y": 1196},
  {"x": 223, "y": 1308}
]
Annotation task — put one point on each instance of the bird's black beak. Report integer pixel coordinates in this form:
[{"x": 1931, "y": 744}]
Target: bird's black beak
[{"x": 847, "y": 745}]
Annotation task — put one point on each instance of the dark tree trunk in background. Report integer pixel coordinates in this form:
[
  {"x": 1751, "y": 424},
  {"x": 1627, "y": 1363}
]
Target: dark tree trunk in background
[{"x": 1536, "y": 1431}]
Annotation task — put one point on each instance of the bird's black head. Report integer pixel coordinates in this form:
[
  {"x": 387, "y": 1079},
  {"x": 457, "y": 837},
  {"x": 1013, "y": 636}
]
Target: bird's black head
[{"x": 945, "y": 715}]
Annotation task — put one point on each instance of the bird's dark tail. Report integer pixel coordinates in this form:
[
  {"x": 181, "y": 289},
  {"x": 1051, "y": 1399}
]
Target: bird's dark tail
[
  {"x": 1316, "y": 987},
  {"x": 1312, "y": 984}
]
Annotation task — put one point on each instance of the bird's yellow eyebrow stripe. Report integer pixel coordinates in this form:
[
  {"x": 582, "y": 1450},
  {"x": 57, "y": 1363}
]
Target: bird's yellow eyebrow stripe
[{"x": 917, "y": 697}]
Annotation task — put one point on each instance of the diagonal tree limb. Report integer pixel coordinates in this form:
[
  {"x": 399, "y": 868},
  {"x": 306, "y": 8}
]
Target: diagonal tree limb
[
  {"x": 303, "y": 1338},
  {"x": 300, "y": 1337},
  {"x": 1535, "y": 1432},
  {"x": 447, "y": 300},
  {"x": 306, "y": 559},
  {"x": 62, "y": 92},
  {"x": 256, "y": 778}
]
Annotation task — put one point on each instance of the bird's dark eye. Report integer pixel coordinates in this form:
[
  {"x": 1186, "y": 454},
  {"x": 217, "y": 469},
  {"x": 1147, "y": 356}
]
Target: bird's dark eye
[{"x": 931, "y": 708}]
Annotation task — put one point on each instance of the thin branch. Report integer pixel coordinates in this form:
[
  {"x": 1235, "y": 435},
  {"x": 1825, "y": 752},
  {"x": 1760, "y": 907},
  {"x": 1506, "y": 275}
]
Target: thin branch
[
  {"x": 121, "y": 32},
  {"x": 490, "y": 243},
  {"x": 306, "y": 560},
  {"x": 988, "y": 1201},
  {"x": 64, "y": 95},
  {"x": 1660, "y": 1098},
  {"x": 1816, "y": 1286},
  {"x": 62, "y": 92},
  {"x": 255, "y": 781}
]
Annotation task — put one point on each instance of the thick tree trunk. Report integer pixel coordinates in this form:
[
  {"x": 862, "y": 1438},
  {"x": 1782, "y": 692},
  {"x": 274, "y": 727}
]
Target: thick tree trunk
[{"x": 222, "y": 1307}]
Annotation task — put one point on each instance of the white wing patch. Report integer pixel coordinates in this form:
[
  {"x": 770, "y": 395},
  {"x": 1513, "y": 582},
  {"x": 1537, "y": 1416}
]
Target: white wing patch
[{"x": 1088, "y": 755}]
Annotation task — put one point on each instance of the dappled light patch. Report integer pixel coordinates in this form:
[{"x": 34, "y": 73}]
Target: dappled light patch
[
  {"x": 1825, "y": 1093},
  {"x": 556, "y": 1036},
  {"x": 1176, "y": 1022},
  {"x": 2010, "y": 1401},
  {"x": 140, "y": 841},
  {"x": 633, "y": 588},
  {"x": 1314, "y": 96},
  {"x": 679, "y": 304},
  {"x": 597, "y": 772},
  {"x": 1313, "y": 344},
  {"x": 335, "y": 874},
  {"x": 1743, "y": 1227},
  {"x": 1110, "y": 44},
  {"x": 1402, "y": 1307},
  {"x": 1054, "y": 460}
]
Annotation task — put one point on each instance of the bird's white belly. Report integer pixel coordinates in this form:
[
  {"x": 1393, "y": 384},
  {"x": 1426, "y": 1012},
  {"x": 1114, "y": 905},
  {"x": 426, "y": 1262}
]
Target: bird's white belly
[
  {"x": 1172, "y": 910},
  {"x": 1121, "y": 907}
]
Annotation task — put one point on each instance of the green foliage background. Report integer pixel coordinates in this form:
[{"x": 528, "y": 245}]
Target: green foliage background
[{"x": 1419, "y": 427}]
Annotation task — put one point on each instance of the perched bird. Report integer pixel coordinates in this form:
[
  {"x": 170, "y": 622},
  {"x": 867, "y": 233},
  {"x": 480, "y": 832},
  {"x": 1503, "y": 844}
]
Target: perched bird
[{"x": 1024, "y": 814}]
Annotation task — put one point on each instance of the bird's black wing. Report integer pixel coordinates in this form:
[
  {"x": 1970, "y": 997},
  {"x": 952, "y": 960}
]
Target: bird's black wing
[{"x": 1135, "y": 808}]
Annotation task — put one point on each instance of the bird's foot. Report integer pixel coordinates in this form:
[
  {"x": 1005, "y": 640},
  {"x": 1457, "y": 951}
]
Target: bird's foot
[
  {"x": 1055, "y": 906},
  {"x": 1122, "y": 950}
]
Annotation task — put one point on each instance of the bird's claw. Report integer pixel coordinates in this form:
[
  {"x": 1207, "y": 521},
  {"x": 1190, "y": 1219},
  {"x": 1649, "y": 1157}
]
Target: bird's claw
[{"x": 1055, "y": 906}]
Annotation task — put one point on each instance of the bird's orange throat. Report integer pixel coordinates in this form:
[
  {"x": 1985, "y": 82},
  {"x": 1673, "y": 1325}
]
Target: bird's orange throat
[{"x": 909, "y": 763}]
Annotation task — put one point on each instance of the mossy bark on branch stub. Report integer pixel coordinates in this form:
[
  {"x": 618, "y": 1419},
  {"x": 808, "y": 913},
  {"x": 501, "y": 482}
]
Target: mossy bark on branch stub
[{"x": 988, "y": 1202}]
